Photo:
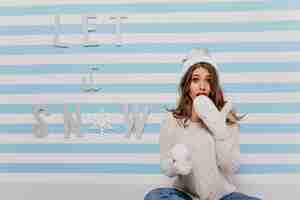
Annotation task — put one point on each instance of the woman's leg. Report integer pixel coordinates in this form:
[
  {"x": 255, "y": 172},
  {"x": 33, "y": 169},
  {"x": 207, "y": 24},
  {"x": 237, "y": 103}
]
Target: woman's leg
[
  {"x": 166, "y": 194},
  {"x": 238, "y": 196}
]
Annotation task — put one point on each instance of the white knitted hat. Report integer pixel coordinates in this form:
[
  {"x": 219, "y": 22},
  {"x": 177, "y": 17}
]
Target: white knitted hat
[{"x": 197, "y": 55}]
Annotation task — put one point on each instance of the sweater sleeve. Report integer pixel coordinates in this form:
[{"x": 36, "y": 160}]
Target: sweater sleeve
[
  {"x": 228, "y": 150},
  {"x": 166, "y": 141}
]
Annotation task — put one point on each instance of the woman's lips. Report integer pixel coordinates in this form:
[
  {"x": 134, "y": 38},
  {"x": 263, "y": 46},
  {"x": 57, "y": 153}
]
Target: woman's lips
[{"x": 201, "y": 94}]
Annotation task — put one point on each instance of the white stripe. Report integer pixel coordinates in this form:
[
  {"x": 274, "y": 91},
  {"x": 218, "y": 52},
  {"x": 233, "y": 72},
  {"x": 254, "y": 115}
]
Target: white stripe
[
  {"x": 80, "y": 178},
  {"x": 132, "y": 158},
  {"x": 270, "y": 159},
  {"x": 167, "y": 17},
  {"x": 260, "y": 77},
  {"x": 90, "y": 58},
  {"x": 51, "y": 98},
  {"x": 158, "y": 38},
  {"x": 132, "y": 179},
  {"x": 80, "y": 158},
  {"x": 152, "y": 138},
  {"x": 79, "y": 2},
  {"x": 110, "y": 78},
  {"x": 256, "y": 118},
  {"x": 145, "y": 58},
  {"x": 278, "y": 118},
  {"x": 269, "y": 179},
  {"x": 87, "y": 98},
  {"x": 146, "y": 78},
  {"x": 270, "y": 138},
  {"x": 265, "y": 97}
]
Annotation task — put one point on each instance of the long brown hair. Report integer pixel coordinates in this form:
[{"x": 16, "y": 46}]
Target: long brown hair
[{"x": 183, "y": 110}]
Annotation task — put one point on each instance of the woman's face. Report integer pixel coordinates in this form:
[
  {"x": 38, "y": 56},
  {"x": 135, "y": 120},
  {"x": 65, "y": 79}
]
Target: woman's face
[{"x": 200, "y": 83}]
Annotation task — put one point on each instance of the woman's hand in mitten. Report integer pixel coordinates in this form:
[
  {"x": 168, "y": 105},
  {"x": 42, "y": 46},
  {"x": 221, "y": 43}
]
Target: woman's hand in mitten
[
  {"x": 212, "y": 117},
  {"x": 181, "y": 159}
]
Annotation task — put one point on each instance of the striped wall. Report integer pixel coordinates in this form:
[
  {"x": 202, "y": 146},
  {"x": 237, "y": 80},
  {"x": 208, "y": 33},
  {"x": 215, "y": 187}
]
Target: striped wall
[{"x": 256, "y": 44}]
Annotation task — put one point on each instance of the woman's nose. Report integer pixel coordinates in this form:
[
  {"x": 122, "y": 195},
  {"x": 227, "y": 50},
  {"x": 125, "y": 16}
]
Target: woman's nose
[{"x": 201, "y": 85}]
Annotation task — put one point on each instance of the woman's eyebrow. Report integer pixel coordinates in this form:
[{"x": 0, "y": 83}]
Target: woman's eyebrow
[
  {"x": 208, "y": 75},
  {"x": 195, "y": 75}
]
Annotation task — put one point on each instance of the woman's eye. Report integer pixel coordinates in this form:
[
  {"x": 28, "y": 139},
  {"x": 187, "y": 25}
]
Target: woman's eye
[{"x": 197, "y": 79}]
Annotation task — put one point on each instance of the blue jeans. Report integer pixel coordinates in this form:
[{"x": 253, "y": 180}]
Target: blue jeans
[{"x": 174, "y": 194}]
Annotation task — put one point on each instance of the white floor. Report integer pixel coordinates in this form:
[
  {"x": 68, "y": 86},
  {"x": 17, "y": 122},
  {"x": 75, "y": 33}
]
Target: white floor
[{"x": 87, "y": 191}]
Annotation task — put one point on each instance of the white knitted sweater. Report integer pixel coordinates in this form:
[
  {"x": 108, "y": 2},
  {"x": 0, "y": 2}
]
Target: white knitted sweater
[{"x": 214, "y": 162}]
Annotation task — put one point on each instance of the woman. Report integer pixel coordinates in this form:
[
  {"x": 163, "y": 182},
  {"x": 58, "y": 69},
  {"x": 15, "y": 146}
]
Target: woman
[{"x": 199, "y": 139}]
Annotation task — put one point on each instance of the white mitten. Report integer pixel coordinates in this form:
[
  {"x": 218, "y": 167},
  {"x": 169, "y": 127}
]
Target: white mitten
[
  {"x": 182, "y": 159},
  {"x": 212, "y": 117}
]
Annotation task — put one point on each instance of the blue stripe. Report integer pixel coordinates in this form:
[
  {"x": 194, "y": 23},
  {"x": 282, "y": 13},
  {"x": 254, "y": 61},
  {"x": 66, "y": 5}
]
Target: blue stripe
[
  {"x": 270, "y": 128},
  {"x": 80, "y": 168},
  {"x": 145, "y": 88},
  {"x": 144, "y": 8},
  {"x": 269, "y": 168},
  {"x": 153, "y": 128},
  {"x": 261, "y": 87},
  {"x": 260, "y": 67},
  {"x": 151, "y": 48},
  {"x": 268, "y": 108},
  {"x": 85, "y": 108},
  {"x": 156, "y": 28},
  {"x": 132, "y": 148},
  {"x": 270, "y": 148},
  {"x": 146, "y": 68},
  {"x": 132, "y": 168},
  {"x": 103, "y": 68},
  {"x": 155, "y": 108},
  {"x": 75, "y": 88}
]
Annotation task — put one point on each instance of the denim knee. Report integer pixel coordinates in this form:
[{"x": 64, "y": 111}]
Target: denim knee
[
  {"x": 239, "y": 196},
  {"x": 166, "y": 194}
]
